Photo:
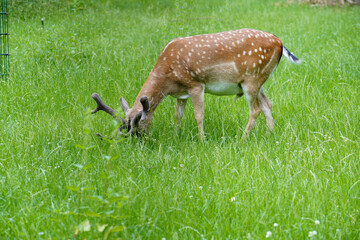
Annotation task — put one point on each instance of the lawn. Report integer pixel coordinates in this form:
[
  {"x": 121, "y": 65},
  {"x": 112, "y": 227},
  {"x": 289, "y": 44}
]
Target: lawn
[{"x": 58, "y": 180}]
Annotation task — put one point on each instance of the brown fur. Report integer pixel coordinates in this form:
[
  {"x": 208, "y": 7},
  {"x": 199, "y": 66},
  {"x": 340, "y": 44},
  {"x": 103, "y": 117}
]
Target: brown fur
[{"x": 186, "y": 66}]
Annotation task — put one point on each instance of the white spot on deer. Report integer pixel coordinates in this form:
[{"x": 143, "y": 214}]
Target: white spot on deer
[
  {"x": 244, "y": 53},
  {"x": 198, "y": 53},
  {"x": 237, "y": 42},
  {"x": 171, "y": 54},
  {"x": 249, "y": 36},
  {"x": 238, "y": 55},
  {"x": 260, "y": 49},
  {"x": 260, "y": 61},
  {"x": 264, "y": 50},
  {"x": 254, "y": 65},
  {"x": 252, "y": 44},
  {"x": 189, "y": 54},
  {"x": 233, "y": 44},
  {"x": 199, "y": 45},
  {"x": 242, "y": 40},
  {"x": 262, "y": 56},
  {"x": 270, "y": 64},
  {"x": 250, "y": 53},
  {"x": 189, "y": 42},
  {"x": 192, "y": 74},
  {"x": 164, "y": 58},
  {"x": 177, "y": 57},
  {"x": 255, "y": 50}
]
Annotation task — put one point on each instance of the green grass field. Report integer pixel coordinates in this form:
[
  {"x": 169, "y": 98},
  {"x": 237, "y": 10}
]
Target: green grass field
[{"x": 59, "y": 181}]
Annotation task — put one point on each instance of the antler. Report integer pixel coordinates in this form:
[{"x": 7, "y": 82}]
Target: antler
[{"x": 102, "y": 106}]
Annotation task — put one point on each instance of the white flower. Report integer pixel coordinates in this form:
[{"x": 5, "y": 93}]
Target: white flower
[
  {"x": 181, "y": 165},
  {"x": 312, "y": 233},
  {"x": 317, "y": 222},
  {"x": 268, "y": 234},
  {"x": 200, "y": 187},
  {"x": 276, "y": 225},
  {"x": 232, "y": 199}
]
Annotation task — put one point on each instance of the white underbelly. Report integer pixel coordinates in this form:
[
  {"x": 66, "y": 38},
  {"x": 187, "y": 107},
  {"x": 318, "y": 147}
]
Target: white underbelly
[
  {"x": 222, "y": 79},
  {"x": 218, "y": 79},
  {"x": 223, "y": 88}
]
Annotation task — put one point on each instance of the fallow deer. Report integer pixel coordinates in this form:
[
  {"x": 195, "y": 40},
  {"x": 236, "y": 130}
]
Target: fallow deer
[{"x": 227, "y": 63}]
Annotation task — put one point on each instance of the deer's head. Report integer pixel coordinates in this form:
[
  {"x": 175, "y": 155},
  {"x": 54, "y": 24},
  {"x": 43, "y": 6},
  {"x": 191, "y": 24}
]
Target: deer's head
[{"x": 135, "y": 121}]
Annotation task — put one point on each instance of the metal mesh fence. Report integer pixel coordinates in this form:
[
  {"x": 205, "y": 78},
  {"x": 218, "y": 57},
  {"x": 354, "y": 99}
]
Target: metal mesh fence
[{"x": 4, "y": 39}]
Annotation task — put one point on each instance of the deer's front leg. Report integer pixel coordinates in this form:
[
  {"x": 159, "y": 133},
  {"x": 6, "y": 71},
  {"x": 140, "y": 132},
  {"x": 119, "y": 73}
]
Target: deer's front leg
[
  {"x": 197, "y": 96},
  {"x": 179, "y": 111}
]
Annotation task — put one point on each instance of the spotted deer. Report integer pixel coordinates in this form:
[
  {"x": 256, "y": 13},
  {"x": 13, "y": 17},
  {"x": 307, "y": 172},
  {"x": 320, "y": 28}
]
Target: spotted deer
[{"x": 227, "y": 63}]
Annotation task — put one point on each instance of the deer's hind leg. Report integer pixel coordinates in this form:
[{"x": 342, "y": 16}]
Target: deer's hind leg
[
  {"x": 251, "y": 91},
  {"x": 266, "y": 108}
]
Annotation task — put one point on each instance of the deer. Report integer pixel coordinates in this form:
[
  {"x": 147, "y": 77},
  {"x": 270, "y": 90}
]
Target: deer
[{"x": 236, "y": 62}]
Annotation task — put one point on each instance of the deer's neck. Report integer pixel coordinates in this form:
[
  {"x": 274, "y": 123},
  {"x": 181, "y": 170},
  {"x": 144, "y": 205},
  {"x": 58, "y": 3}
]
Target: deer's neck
[{"x": 155, "y": 89}]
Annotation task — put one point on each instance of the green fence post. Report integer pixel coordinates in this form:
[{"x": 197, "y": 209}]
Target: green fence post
[{"x": 4, "y": 40}]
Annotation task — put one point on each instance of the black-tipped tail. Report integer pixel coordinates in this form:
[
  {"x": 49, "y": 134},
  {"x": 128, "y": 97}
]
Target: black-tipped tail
[{"x": 290, "y": 57}]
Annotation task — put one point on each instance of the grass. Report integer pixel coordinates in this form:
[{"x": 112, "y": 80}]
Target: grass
[{"x": 59, "y": 181}]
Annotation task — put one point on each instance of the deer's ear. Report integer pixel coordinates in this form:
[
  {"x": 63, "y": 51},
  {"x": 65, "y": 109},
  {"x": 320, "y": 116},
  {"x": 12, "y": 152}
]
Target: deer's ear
[
  {"x": 124, "y": 105},
  {"x": 146, "y": 106},
  {"x": 145, "y": 103}
]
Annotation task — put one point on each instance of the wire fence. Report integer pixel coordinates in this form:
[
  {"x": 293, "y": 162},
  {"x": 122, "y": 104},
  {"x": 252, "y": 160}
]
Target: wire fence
[{"x": 4, "y": 39}]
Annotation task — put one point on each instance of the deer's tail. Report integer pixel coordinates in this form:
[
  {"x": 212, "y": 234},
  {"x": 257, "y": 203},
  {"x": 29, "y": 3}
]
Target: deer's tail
[{"x": 289, "y": 56}]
